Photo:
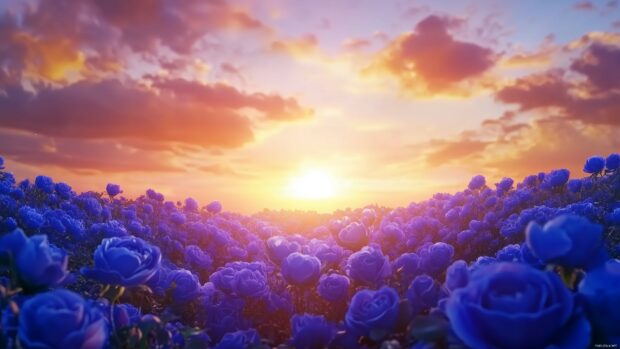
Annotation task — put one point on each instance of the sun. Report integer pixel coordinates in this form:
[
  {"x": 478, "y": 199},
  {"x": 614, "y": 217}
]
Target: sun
[{"x": 314, "y": 184}]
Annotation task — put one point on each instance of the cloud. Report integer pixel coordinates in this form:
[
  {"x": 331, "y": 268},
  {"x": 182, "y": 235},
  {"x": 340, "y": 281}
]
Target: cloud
[
  {"x": 356, "y": 44},
  {"x": 593, "y": 100},
  {"x": 303, "y": 46},
  {"x": 542, "y": 56},
  {"x": 170, "y": 111},
  {"x": 450, "y": 151},
  {"x": 601, "y": 65},
  {"x": 562, "y": 117},
  {"x": 105, "y": 155},
  {"x": 584, "y": 6},
  {"x": 431, "y": 60},
  {"x": 178, "y": 25},
  {"x": 548, "y": 89},
  {"x": 70, "y": 40}
]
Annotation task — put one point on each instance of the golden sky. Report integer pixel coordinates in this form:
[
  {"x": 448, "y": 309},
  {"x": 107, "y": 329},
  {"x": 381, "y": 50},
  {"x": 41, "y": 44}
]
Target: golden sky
[{"x": 305, "y": 105}]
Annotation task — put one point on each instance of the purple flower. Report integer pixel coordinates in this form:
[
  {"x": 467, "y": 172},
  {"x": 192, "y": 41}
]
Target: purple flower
[
  {"x": 601, "y": 289},
  {"x": 12, "y": 243},
  {"x": 183, "y": 285},
  {"x": 63, "y": 190},
  {"x": 354, "y": 236},
  {"x": 594, "y": 165},
  {"x": 569, "y": 240},
  {"x": 300, "y": 269},
  {"x": 477, "y": 182},
  {"x": 311, "y": 331},
  {"x": 191, "y": 205},
  {"x": 127, "y": 261},
  {"x": 45, "y": 184},
  {"x": 423, "y": 293},
  {"x": 511, "y": 305},
  {"x": 333, "y": 287},
  {"x": 249, "y": 283},
  {"x": 555, "y": 178},
  {"x": 612, "y": 163},
  {"x": 368, "y": 266},
  {"x": 113, "y": 189},
  {"x": 126, "y": 315},
  {"x": 40, "y": 264},
  {"x": 239, "y": 339},
  {"x": 214, "y": 207},
  {"x": 197, "y": 259},
  {"x": 375, "y": 311},
  {"x": 61, "y": 319},
  {"x": 29, "y": 217},
  {"x": 457, "y": 275},
  {"x": 279, "y": 247}
]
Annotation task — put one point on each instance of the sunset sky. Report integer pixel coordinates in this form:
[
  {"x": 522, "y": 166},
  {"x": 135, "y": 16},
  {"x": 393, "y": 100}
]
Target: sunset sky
[{"x": 305, "y": 104}]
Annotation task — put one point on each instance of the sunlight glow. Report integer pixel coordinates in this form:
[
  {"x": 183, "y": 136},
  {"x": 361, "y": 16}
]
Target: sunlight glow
[{"x": 312, "y": 184}]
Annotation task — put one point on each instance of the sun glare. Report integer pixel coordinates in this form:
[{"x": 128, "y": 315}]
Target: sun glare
[{"x": 313, "y": 184}]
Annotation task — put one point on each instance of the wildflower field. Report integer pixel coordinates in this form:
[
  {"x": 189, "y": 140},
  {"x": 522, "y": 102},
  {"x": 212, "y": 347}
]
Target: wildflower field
[{"x": 505, "y": 265}]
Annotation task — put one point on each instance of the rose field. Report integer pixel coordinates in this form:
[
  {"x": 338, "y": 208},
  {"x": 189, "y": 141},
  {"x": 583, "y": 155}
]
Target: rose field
[{"x": 525, "y": 264}]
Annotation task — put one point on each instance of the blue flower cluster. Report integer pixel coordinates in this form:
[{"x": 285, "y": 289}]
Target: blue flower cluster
[{"x": 506, "y": 265}]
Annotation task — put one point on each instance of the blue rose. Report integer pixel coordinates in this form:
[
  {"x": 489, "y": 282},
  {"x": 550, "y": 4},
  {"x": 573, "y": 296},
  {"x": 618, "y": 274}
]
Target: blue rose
[
  {"x": 61, "y": 319},
  {"x": 300, "y": 269},
  {"x": 126, "y": 261},
  {"x": 239, "y": 340},
  {"x": 279, "y": 247},
  {"x": 183, "y": 285},
  {"x": 569, "y": 240},
  {"x": 63, "y": 190},
  {"x": 436, "y": 258},
  {"x": 222, "y": 313},
  {"x": 223, "y": 278},
  {"x": 311, "y": 331},
  {"x": 249, "y": 283},
  {"x": 407, "y": 266},
  {"x": 11, "y": 243},
  {"x": 214, "y": 207},
  {"x": 113, "y": 189},
  {"x": 334, "y": 287},
  {"x": 594, "y": 165},
  {"x": 368, "y": 266},
  {"x": 476, "y": 182},
  {"x": 612, "y": 163},
  {"x": 354, "y": 236},
  {"x": 40, "y": 264},
  {"x": 197, "y": 259},
  {"x": 45, "y": 184},
  {"x": 512, "y": 305},
  {"x": 328, "y": 254},
  {"x": 555, "y": 179},
  {"x": 423, "y": 293},
  {"x": 601, "y": 288},
  {"x": 126, "y": 315},
  {"x": 29, "y": 217},
  {"x": 457, "y": 275},
  {"x": 373, "y": 311}
]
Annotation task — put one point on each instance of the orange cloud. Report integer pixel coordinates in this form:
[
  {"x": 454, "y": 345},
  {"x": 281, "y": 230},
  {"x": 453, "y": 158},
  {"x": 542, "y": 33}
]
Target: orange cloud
[
  {"x": 170, "y": 111},
  {"x": 430, "y": 61},
  {"x": 541, "y": 57},
  {"x": 303, "y": 46},
  {"x": 356, "y": 44}
]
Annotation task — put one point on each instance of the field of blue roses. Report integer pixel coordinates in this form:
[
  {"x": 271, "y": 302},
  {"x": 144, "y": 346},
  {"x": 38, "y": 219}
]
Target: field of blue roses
[{"x": 505, "y": 265}]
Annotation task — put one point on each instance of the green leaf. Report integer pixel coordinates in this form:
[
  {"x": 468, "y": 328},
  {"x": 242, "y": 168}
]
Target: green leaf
[
  {"x": 377, "y": 334},
  {"x": 429, "y": 328}
]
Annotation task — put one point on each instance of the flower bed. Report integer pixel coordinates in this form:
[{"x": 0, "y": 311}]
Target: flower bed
[{"x": 529, "y": 265}]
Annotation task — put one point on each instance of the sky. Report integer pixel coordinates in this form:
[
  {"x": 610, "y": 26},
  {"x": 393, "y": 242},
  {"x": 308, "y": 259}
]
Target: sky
[{"x": 312, "y": 105}]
